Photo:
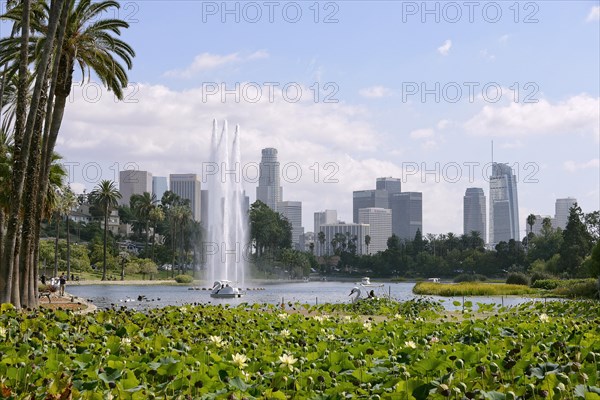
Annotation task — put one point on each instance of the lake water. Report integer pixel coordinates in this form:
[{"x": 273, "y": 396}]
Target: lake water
[{"x": 104, "y": 296}]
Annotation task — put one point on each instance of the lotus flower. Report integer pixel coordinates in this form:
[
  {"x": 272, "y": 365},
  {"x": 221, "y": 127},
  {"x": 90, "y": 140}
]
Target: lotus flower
[
  {"x": 544, "y": 317},
  {"x": 285, "y": 333},
  {"x": 239, "y": 360},
  {"x": 410, "y": 344},
  {"x": 287, "y": 361},
  {"x": 218, "y": 341}
]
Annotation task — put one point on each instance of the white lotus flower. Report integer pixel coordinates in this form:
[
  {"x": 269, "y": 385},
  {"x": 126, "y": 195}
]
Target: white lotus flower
[
  {"x": 2, "y": 331},
  {"x": 367, "y": 326},
  {"x": 218, "y": 341},
  {"x": 410, "y": 344},
  {"x": 125, "y": 341},
  {"x": 283, "y": 315},
  {"x": 287, "y": 361},
  {"x": 544, "y": 317},
  {"x": 285, "y": 333},
  {"x": 239, "y": 360}
]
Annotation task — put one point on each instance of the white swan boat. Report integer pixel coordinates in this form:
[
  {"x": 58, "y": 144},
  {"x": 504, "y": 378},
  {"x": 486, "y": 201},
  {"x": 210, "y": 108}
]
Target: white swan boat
[{"x": 225, "y": 289}]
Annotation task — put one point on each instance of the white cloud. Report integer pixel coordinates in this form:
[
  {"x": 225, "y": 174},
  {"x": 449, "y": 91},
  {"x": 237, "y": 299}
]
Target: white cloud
[
  {"x": 577, "y": 114},
  {"x": 573, "y": 166},
  {"x": 594, "y": 14},
  {"x": 375, "y": 92},
  {"x": 445, "y": 48},
  {"x": 486, "y": 55},
  {"x": 443, "y": 124},
  {"x": 421, "y": 133},
  {"x": 169, "y": 131},
  {"x": 503, "y": 39},
  {"x": 208, "y": 61}
]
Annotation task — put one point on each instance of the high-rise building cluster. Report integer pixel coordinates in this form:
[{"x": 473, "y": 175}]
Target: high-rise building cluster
[{"x": 377, "y": 213}]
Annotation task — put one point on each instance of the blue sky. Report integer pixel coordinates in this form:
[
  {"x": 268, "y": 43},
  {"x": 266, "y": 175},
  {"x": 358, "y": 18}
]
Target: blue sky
[{"x": 370, "y": 58}]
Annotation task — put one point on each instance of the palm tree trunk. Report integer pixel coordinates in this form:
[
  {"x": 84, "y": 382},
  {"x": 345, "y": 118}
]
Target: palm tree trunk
[
  {"x": 153, "y": 240},
  {"x": 7, "y": 266},
  {"x": 68, "y": 249},
  {"x": 56, "y": 245},
  {"x": 105, "y": 238},
  {"x": 22, "y": 138}
]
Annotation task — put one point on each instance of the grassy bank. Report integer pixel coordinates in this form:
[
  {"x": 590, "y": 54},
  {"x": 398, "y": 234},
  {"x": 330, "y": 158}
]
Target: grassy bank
[{"x": 471, "y": 289}]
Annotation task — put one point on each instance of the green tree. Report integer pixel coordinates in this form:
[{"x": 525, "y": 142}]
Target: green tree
[
  {"x": 576, "y": 243},
  {"x": 367, "y": 242},
  {"x": 531, "y": 218},
  {"x": 105, "y": 196}
]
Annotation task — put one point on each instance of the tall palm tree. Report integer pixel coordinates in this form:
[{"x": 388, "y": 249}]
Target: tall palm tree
[
  {"x": 56, "y": 36},
  {"x": 105, "y": 196},
  {"x": 68, "y": 200},
  {"x": 531, "y": 218},
  {"x": 321, "y": 238},
  {"x": 156, "y": 215},
  {"x": 367, "y": 242},
  {"x": 142, "y": 205}
]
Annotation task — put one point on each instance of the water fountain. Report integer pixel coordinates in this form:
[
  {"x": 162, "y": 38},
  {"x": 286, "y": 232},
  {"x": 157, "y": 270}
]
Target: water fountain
[{"x": 227, "y": 225}]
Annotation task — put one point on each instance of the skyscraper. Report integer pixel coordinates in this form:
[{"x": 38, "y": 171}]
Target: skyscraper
[
  {"x": 407, "y": 214},
  {"x": 269, "y": 189},
  {"x": 392, "y": 185},
  {"x": 504, "y": 205},
  {"x": 187, "y": 186},
  {"x": 380, "y": 226},
  {"x": 292, "y": 211},
  {"x": 356, "y": 232},
  {"x": 159, "y": 186},
  {"x": 323, "y": 218},
  {"x": 133, "y": 182},
  {"x": 562, "y": 210},
  {"x": 474, "y": 212},
  {"x": 378, "y": 198}
]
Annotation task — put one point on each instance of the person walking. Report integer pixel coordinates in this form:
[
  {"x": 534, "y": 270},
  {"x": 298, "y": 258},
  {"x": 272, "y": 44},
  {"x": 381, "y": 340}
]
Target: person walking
[{"x": 63, "y": 282}]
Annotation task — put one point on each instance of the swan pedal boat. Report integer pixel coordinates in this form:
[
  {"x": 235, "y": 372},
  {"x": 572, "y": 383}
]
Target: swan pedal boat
[{"x": 225, "y": 289}]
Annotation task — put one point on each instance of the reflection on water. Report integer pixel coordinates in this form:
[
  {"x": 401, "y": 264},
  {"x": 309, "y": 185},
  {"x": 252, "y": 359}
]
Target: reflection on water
[{"x": 151, "y": 296}]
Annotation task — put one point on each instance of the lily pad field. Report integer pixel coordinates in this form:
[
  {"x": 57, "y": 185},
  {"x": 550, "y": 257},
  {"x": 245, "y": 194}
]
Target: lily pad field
[{"x": 370, "y": 350}]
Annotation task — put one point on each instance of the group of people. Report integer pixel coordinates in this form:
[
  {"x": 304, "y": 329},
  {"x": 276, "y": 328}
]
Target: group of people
[{"x": 62, "y": 282}]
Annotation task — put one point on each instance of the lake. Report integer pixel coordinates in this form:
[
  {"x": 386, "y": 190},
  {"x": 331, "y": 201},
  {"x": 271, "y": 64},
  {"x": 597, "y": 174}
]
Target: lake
[{"x": 312, "y": 292}]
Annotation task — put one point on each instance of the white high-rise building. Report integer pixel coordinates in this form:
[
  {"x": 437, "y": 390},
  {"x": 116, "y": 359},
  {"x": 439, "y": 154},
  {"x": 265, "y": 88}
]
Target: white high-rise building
[
  {"x": 474, "y": 212},
  {"x": 504, "y": 205},
  {"x": 323, "y": 218},
  {"x": 562, "y": 210},
  {"x": 133, "y": 182},
  {"x": 292, "y": 211},
  {"x": 269, "y": 189},
  {"x": 187, "y": 186},
  {"x": 380, "y": 223},
  {"x": 356, "y": 233}
]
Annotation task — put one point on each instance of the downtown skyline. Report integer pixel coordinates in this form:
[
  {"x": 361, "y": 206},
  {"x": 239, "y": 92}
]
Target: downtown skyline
[{"x": 377, "y": 128}]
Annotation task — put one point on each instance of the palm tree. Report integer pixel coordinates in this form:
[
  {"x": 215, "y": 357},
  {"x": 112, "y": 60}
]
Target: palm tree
[
  {"x": 156, "y": 215},
  {"x": 321, "y": 238},
  {"x": 56, "y": 36},
  {"x": 367, "y": 242},
  {"x": 142, "y": 205},
  {"x": 68, "y": 200},
  {"x": 531, "y": 221},
  {"x": 105, "y": 196}
]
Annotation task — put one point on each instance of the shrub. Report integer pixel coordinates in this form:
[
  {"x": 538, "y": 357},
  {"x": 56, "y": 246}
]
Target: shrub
[
  {"x": 547, "y": 284},
  {"x": 577, "y": 288},
  {"x": 184, "y": 279},
  {"x": 536, "y": 276},
  {"x": 517, "y": 278},
  {"x": 469, "y": 278}
]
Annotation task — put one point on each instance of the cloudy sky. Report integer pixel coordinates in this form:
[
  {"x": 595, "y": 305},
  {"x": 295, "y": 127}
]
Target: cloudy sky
[{"x": 350, "y": 91}]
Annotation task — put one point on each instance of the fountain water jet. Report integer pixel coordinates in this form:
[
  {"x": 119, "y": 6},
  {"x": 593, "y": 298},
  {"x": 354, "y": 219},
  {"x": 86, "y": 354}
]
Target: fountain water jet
[{"x": 227, "y": 225}]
